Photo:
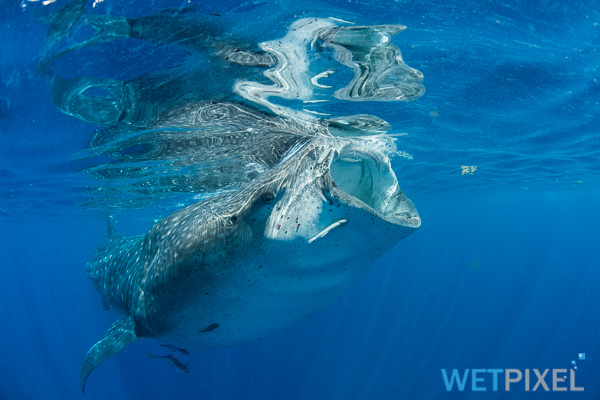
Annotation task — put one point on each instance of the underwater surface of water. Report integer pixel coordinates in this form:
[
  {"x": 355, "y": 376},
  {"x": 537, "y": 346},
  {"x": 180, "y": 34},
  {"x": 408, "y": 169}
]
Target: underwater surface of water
[{"x": 500, "y": 155}]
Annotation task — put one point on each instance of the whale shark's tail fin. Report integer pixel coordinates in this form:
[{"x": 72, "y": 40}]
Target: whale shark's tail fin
[{"x": 120, "y": 334}]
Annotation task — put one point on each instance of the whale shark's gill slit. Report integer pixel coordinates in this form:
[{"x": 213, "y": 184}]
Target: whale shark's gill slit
[{"x": 209, "y": 328}]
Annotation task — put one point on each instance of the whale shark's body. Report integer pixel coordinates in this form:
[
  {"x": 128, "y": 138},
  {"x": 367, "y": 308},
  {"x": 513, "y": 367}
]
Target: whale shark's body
[{"x": 241, "y": 265}]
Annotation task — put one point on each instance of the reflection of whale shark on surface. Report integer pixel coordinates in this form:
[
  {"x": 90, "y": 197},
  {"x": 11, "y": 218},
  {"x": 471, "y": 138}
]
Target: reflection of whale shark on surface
[
  {"x": 379, "y": 72},
  {"x": 295, "y": 207},
  {"x": 254, "y": 261}
]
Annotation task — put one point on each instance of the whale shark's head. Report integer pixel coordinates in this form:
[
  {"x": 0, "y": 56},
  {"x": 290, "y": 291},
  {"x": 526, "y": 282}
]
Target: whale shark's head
[
  {"x": 332, "y": 192},
  {"x": 350, "y": 184}
]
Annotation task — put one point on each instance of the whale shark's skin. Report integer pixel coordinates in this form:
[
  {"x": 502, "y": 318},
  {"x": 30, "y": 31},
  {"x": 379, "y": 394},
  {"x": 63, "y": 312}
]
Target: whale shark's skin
[{"x": 241, "y": 265}]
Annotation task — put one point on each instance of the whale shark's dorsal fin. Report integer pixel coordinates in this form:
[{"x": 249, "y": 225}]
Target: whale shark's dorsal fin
[
  {"x": 120, "y": 334},
  {"x": 110, "y": 227},
  {"x": 111, "y": 233}
]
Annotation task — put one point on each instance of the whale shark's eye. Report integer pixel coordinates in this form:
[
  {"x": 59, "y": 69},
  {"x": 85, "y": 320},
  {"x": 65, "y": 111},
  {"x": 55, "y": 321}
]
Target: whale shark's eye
[
  {"x": 267, "y": 197},
  {"x": 232, "y": 220}
]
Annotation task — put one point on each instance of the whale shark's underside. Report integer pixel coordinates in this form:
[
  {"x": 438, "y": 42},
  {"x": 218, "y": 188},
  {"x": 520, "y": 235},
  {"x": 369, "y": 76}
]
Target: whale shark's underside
[{"x": 295, "y": 204}]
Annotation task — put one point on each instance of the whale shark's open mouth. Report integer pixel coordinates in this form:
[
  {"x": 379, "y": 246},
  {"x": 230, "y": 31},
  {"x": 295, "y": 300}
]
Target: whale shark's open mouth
[{"x": 364, "y": 180}]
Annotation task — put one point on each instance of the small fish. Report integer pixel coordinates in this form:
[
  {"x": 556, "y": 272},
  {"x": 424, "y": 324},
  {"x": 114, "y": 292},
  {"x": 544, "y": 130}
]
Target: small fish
[
  {"x": 181, "y": 367},
  {"x": 209, "y": 328},
  {"x": 174, "y": 348}
]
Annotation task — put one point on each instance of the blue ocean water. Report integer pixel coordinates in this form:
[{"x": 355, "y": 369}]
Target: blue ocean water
[{"x": 503, "y": 273}]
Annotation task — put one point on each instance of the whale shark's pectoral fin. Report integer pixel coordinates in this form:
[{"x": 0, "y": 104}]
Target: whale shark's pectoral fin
[{"x": 120, "y": 334}]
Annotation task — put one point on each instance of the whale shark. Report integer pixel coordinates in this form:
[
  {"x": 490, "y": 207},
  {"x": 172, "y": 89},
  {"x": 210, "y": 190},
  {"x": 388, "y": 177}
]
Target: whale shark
[{"x": 243, "y": 264}]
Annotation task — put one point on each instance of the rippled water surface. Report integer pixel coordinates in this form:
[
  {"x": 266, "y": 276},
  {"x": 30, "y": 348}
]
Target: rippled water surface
[{"x": 511, "y": 89}]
